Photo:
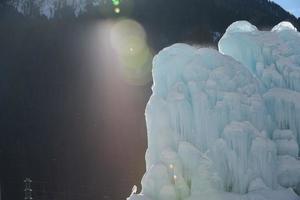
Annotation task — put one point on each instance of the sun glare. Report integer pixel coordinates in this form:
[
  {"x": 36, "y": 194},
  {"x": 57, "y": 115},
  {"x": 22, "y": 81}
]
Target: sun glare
[
  {"x": 128, "y": 39},
  {"x": 117, "y": 10}
]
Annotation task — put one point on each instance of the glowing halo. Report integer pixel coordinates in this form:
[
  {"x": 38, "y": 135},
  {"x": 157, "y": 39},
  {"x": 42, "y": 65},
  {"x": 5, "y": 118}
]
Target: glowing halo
[{"x": 128, "y": 39}]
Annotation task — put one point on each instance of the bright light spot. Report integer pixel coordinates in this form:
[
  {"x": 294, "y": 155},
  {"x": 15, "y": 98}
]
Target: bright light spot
[
  {"x": 128, "y": 39},
  {"x": 171, "y": 166},
  {"x": 117, "y": 10},
  {"x": 175, "y": 177}
]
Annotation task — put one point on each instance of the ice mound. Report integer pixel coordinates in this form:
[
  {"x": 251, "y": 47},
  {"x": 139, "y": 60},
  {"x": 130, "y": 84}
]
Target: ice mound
[
  {"x": 223, "y": 128},
  {"x": 274, "y": 59},
  {"x": 284, "y": 26},
  {"x": 241, "y": 26}
]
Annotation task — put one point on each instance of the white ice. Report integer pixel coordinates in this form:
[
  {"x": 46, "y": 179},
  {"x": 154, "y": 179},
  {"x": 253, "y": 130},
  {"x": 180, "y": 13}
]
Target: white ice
[
  {"x": 49, "y": 8},
  {"x": 226, "y": 127}
]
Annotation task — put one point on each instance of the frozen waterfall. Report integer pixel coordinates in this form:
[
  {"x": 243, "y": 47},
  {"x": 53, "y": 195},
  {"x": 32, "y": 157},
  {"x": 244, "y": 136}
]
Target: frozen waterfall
[{"x": 226, "y": 125}]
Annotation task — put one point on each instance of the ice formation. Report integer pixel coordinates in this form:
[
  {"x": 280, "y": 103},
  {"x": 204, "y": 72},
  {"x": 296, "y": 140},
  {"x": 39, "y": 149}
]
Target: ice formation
[
  {"x": 49, "y": 8},
  {"x": 226, "y": 127}
]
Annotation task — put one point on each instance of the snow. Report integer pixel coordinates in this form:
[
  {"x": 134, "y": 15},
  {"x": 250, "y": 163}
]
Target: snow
[{"x": 225, "y": 125}]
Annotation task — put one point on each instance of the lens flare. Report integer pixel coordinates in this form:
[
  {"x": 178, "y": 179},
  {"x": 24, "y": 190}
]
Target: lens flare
[
  {"x": 109, "y": 9},
  {"x": 128, "y": 39},
  {"x": 116, "y": 2},
  {"x": 117, "y": 10}
]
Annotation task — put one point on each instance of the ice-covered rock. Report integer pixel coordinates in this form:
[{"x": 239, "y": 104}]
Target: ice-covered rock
[{"x": 219, "y": 129}]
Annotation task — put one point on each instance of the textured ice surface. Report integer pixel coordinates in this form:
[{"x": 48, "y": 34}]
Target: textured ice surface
[
  {"x": 226, "y": 126},
  {"x": 241, "y": 26},
  {"x": 273, "y": 58},
  {"x": 283, "y": 26},
  {"x": 49, "y": 8}
]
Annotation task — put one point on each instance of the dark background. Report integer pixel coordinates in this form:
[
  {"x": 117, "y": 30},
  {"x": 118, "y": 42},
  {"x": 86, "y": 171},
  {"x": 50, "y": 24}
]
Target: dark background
[{"x": 74, "y": 134}]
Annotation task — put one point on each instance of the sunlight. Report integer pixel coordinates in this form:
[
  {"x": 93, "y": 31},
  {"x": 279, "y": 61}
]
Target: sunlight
[
  {"x": 128, "y": 39},
  {"x": 117, "y": 10}
]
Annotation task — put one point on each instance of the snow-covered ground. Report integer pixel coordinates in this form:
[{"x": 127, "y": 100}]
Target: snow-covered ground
[{"x": 226, "y": 124}]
